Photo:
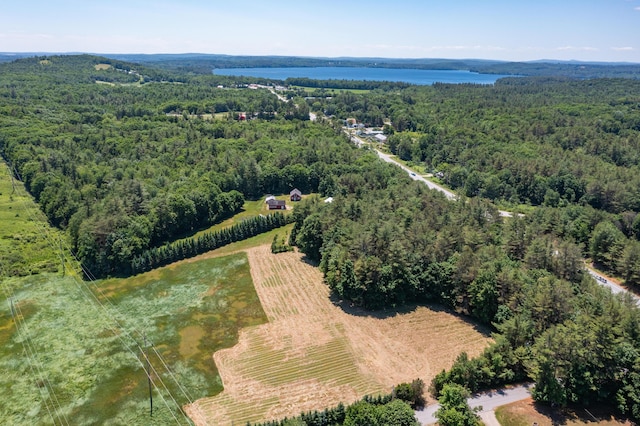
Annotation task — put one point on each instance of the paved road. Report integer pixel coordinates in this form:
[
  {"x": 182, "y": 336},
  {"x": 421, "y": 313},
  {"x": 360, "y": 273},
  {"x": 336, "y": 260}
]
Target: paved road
[
  {"x": 386, "y": 157},
  {"x": 602, "y": 279},
  {"x": 489, "y": 401},
  {"x": 450, "y": 195},
  {"x": 608, "y": 282}
]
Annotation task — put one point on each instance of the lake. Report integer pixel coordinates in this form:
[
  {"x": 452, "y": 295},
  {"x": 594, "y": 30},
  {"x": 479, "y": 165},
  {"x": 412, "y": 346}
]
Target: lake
[{"x": 412, "y": 76}]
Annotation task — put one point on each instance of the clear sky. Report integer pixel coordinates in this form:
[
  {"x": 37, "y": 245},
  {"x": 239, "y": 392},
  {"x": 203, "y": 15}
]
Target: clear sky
[{"x": 589, "y": 30}]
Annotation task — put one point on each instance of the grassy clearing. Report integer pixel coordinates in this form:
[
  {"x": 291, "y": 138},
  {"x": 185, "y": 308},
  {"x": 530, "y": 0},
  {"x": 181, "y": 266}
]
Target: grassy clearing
[
  {"x": 27, "y": 244},
  {"x": 90, "y": 355},
  {"x": 66, "y": 358},
  {"x": 102, "y": 67},
  {"x": 526, "y": 413},
  {"x": 251, "y": 208}
]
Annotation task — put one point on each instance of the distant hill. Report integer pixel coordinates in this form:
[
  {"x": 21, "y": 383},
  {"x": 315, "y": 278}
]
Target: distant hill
[
  {"x": 197, "y": 63},
  {"x": 203, "y": 64}
]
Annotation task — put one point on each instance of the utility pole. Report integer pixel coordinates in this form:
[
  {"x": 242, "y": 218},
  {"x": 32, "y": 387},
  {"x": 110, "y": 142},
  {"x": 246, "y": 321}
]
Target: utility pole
[
  {"x": 62, "y": 257},
  {"x": 13, "y": 312},
  {"x": 13, "y": 183},
  {"x": 148, "y": 370}
]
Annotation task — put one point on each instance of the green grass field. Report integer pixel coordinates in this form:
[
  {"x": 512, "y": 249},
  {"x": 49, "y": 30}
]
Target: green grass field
[
  {"x": 25, "y": 247},
  {"x": 251, "y": 208},
  {"x": 71, "y": 351},
  {"x": 89, "y": 353}
]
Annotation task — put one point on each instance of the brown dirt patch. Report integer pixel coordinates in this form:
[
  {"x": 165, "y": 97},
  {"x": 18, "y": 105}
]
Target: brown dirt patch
[
  {"x": 527, "y": 412},
  {"x": 313, "y": 354}
]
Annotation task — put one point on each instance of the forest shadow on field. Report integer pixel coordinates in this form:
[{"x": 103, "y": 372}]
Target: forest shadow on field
[
  {"x": 579, "y": 415},
  {"x": 352, "y": 309},
  {"x": 306, "y": 259}
]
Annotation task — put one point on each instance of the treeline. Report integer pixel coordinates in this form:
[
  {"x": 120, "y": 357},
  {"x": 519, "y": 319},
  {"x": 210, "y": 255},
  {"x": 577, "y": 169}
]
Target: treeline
[
  {"x": 391, "y": 409},
  {"x": 580, "y": 70},
  {"x": 109, "y": 165},
  {"x": 203, "y": 64},
  {"x": 386, "y": 241},
  {"x": 345, "y": 84},
  {"x": 582, "y": 350},
  {"x": 54, "y": 69},
  {"x": 190, "y": 247}
]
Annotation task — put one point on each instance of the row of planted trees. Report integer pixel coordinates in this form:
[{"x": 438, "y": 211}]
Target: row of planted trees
[
  {"x": 190, "y": 247},
  {"x": 372, "y": 410}
]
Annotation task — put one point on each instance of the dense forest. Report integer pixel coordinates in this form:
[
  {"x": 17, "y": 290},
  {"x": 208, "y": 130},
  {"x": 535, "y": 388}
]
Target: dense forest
[
  {"x": 127, "y": 159},
  {"x": 131, "y": 166},
  {"x": 569, "y": 148},
  {"x": 553, "y": 143}
]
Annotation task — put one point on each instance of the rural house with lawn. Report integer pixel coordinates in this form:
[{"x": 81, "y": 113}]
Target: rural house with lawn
[
  {"x": 295, "y": 195},
  {"x": 276, "y": 204}
]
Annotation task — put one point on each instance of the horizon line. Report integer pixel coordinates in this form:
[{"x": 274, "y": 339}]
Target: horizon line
[{"x": 541, "y": 60}]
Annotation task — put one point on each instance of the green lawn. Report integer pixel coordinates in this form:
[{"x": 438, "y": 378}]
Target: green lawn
[{"x": 251, "y": 208}]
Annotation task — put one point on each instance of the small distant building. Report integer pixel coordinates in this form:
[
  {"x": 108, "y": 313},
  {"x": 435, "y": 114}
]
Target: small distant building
[
  {"x": 277, "y": 204},
  {"x": 381, "y": 138},
  {"x": 295, "y": 195},
  {"x": 328, "y": 200},
  {"x": 269, "y": 198}
]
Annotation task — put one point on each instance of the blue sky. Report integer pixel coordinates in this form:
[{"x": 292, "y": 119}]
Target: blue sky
[{"x": 590, "y": 30}]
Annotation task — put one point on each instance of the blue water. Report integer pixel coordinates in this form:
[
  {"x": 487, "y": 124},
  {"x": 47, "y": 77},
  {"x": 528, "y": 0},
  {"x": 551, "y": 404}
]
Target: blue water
[{"x": 412, "y": 76}]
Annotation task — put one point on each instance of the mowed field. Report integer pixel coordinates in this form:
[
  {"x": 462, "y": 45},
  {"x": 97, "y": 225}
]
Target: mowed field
[{"x": 314, "y": 353}]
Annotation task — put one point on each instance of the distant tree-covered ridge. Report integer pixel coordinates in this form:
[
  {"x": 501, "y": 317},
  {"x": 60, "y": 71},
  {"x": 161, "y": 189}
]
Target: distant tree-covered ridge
[{"x": 203, "y": 64}]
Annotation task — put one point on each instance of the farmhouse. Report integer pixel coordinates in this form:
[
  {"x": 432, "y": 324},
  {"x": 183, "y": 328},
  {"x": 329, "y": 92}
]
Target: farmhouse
[
  {"x": 295, "y": 195},
  {"x": 276, "y": 204}
]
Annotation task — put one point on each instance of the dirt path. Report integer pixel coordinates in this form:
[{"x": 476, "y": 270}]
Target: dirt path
[{"x": 313, "y": 354}]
